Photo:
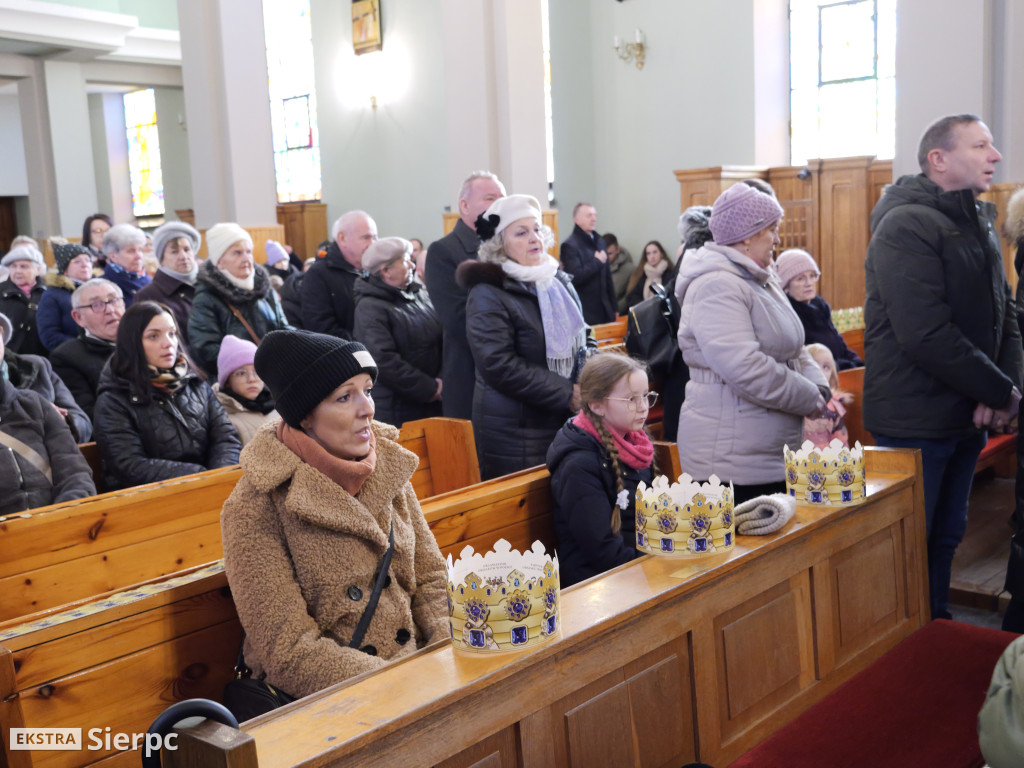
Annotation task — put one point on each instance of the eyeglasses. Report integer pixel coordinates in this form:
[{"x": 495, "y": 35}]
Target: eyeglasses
[
  {"x": 638, "y": 401},
  {"x": 241, "y": 374},
  {"x": 101, "y": 306}
]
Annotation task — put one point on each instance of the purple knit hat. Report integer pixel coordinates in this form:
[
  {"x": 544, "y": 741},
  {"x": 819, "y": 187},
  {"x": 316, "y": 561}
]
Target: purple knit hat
[
  {"x": 275, "y": 252},
  {"x": 234, "y": 353},
  {"x": 795, "y": 262},
  {"x": 741, "y": 212}
]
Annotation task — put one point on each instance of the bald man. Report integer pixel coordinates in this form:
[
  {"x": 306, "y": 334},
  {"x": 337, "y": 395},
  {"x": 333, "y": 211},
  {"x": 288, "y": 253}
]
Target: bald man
[{"x": 328, "y": 301}]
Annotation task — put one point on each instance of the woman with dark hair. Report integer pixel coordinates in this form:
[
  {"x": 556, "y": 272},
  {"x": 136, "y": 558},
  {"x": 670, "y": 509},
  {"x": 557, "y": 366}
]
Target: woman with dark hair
[
  {"x": 155, "y": 416},
  {"x": 654, "y": 268},
  {"x": 93, "y": 230},
  {"x": 527, "y": 334}
]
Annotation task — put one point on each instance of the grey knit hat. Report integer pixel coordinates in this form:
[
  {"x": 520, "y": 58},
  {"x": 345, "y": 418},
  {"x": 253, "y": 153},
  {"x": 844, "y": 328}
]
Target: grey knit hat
[
  {"x": 384, "y": 251},
  {"x": 302, "y": 368},
  {"x": 172, "y": 230},
  {"x": 23, "y": 253}
]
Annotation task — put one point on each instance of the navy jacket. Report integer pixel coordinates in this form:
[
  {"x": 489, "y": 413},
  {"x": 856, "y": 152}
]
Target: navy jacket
[
  {"x": 816, "y": 316},
  {"x": 129, "y": 283}
]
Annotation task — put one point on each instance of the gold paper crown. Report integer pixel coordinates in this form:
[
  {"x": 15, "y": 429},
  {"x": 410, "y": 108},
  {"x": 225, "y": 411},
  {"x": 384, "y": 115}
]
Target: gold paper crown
[
  {"x": 504, "y": 600},
  {"x": 831, "y": 475},
  {"x": 684, "y": 519}
]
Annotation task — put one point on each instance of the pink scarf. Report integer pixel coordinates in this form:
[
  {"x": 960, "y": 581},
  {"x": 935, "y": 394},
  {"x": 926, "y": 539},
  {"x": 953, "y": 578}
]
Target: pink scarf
[
  {"x": 635, "y": 447},
  {"x": 347, "y": 473}
]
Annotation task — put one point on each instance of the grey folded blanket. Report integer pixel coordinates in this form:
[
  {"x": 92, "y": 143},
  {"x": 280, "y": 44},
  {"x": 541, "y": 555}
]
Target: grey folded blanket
[{"x": 764, "y": 514}]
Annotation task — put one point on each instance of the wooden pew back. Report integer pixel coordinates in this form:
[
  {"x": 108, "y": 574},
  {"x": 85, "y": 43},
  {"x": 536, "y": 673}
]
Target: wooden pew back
[
  {"x": 121, "y": 660},
  {"x": 55, "y": 556},
  {"x": 852, "y": 381},
  {"x": 613, "y": 333}
]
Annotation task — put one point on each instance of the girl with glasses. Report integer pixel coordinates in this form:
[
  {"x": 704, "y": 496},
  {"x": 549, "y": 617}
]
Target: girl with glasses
[
  {"x": 246, "y": 399},
  {"x": 596, "y": 462}
]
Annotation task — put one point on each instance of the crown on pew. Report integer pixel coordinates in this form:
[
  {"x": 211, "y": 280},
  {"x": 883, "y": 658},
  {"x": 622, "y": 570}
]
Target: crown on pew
[
  {"x": 831, "y": 475},
  {"x": 504, "y": 600},
  {"x": 686, "y": 518}
]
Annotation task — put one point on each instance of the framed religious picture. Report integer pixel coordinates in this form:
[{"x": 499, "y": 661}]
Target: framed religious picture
[{"x": 366, "y": 35}]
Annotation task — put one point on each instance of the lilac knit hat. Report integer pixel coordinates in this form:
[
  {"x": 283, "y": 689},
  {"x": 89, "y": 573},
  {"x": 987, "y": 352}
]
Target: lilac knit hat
[
  {"x": 275, "y": 252},
  {"x": 795, "y": 262},
  {"x": 741, "y": 212},
  {"x": 234, "y": 353}
]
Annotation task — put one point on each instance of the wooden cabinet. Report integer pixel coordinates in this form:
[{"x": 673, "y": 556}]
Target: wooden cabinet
[{"x": 305, "y": 226}]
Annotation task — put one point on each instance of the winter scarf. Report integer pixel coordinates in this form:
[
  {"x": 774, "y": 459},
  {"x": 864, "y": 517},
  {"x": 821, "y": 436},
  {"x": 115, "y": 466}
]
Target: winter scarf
[
  {"x": 263, "y": 403},
  {"x": 635, "y": 448},
  {"x": 229, "y": 288},
  {"x": 564, "y": 329},
  {"x": 349, "y": 474},
  {"x": 654, "y": 273},
  {"x": 183, "y": 277},
  {"x": 169, "y": 380}
]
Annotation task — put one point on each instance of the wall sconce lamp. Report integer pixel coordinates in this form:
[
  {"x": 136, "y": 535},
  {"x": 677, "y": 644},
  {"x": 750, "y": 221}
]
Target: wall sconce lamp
[{"x": 631, "y": 51}]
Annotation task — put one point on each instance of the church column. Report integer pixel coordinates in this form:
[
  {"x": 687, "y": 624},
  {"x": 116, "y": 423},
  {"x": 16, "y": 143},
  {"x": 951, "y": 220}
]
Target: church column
[
  {"x": 55, "y": 124},
  {"x": 224, "y": 72},
  {"x": 494, "y": 88}
]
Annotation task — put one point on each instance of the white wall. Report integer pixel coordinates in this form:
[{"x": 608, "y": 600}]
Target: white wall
[
  {"x": 393, "y": 161},
  {"x": 14, "y": 179},
  {"x": 620, "y": 132},
  {"x": 172, "y": 127}
]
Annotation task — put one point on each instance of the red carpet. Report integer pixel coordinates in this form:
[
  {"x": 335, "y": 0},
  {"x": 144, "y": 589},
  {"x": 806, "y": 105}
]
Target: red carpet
[{"x": 916, "y": 707}]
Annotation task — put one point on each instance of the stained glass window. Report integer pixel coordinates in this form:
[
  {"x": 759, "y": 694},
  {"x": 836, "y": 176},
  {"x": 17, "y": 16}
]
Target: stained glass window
[
  {"x": 842, "y": 78},
  {"x": 288, "y": 36},
  {"x": 147, "y": 179}
]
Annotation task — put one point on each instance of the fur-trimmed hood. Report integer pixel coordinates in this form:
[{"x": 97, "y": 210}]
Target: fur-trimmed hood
[
  {"x": 53, "y": 280},
  {"x": 214, "y": 280}
]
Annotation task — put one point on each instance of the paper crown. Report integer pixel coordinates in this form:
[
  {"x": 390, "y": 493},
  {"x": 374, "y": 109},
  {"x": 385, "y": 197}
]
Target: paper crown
[
  {"x": 685, "y": 519},
  {"x": 831, "y": 475},
  {"x": 504, "y": 600}
]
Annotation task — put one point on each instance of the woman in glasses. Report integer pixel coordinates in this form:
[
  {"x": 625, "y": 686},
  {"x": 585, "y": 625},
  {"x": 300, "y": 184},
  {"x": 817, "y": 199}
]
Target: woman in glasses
[
  {"x": 596, "y": 462},
  {"x": 246, "y": 399},
  {"x": 156, "y": 418},
  {"x": 751, "y": 380}
]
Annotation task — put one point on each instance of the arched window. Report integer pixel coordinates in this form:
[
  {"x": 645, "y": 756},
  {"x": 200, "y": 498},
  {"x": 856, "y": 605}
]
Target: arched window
[{"x": 842, "y": 78}]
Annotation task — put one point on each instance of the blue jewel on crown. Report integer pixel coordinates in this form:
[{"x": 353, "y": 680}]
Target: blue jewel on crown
[{"x": 520, "y": 635}]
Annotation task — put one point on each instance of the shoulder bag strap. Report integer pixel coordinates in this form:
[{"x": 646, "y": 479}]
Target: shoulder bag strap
[
  {"x": 28, "y": 453},
  {"x": 378, "y": 587},
  {"x": 243, "y": 321}
]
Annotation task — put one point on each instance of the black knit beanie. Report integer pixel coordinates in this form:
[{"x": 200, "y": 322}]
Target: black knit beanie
[
  {"x": 302, "y": 368},
  {"x": 64, "y": 253}
]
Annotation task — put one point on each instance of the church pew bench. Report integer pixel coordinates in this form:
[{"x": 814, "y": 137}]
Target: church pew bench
[
  {"x": 121, "y": 659},
  {"x": 855, "y": 340},
  {"x": 57, "y": 555},
  {"x": 91, "y": 453},
  {"x": 611, "y": 333},
  {"x": 659, "y": 662},
  {"x": 1000, "y": 452}
]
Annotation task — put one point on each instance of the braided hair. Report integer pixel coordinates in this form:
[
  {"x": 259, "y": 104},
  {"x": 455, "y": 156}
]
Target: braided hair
[{"x": 597, "y": 380}]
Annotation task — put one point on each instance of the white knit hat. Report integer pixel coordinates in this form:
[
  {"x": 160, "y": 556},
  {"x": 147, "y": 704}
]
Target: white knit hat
[
  {"x": 23, "y": 253},
  {"x": 222, "y": 236},
  {"x": 504, "y": 211}
]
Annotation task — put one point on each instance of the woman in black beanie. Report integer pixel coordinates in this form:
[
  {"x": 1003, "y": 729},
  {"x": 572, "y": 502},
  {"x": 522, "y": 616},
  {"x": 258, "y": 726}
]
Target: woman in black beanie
[{"x": 325, "y": 494}]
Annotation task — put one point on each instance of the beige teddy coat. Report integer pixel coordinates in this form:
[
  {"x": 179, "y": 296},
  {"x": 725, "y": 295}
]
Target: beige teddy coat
[{"x": 301, "y": 556}]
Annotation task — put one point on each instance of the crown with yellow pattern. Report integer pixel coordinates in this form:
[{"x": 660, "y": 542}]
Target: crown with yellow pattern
[
  {"x": 504, "y": 600},
  {"x": 684, "y": 519},
  {"x": 831, "y": 475}
]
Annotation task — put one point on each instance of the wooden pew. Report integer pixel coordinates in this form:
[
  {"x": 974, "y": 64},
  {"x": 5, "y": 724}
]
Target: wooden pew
[
  {"x": 91, "y": 454},
  {"x": 122, "y": 659},
  {"x": 855, "y": 340},
  {"x": 660, "y": 662},
  {"x": 58, "y": 555},
  {"x": 610, "y": 334}
]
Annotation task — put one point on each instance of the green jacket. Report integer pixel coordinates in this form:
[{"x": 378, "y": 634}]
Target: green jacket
[{"x": 941, "y": 330}]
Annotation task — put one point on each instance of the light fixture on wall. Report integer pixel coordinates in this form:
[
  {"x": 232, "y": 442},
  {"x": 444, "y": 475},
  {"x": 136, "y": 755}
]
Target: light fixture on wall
[{"x": 631, "y": 51}]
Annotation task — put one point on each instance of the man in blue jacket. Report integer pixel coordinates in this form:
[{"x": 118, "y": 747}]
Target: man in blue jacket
[{"x": 942, "y": 346}]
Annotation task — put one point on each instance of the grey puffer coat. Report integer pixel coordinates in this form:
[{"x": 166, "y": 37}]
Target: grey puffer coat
[
  {"x": 27, "y": 417},
  {"x": 751, "y": 381}
]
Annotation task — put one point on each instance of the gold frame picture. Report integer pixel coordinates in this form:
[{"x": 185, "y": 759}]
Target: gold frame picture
[{"x": 366, "y": 36}]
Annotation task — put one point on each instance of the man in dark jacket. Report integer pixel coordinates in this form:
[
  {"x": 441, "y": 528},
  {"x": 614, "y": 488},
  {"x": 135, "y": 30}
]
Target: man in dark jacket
[
  {"x": 97, "y": 307},
  {"x": 328, "y": 299},
  {"x": 443, "y": 257},
  {"x": 942, "y": 345},
  {"x": 583, "y": 256}
]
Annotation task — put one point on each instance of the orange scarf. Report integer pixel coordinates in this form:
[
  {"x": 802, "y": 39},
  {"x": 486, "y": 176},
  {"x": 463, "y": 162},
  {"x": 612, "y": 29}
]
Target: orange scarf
[{"x": 347, "y": 473}]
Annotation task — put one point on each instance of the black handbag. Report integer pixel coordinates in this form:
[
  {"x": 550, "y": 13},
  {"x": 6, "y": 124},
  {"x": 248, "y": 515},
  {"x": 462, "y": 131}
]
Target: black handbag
[
  {"x": 247, "y": 697},
  {"x": 651, "y": 333}
]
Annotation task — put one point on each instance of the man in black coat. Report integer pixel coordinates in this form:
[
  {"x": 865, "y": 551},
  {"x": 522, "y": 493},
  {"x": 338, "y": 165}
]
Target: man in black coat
[
  {"x": 942, "y": 345},
  {"x": 79, "y": 362},
  {"x": 328, "y": 299},
  {"x": 443, "y": 257},
  {"x": 583, "y": 256}
]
